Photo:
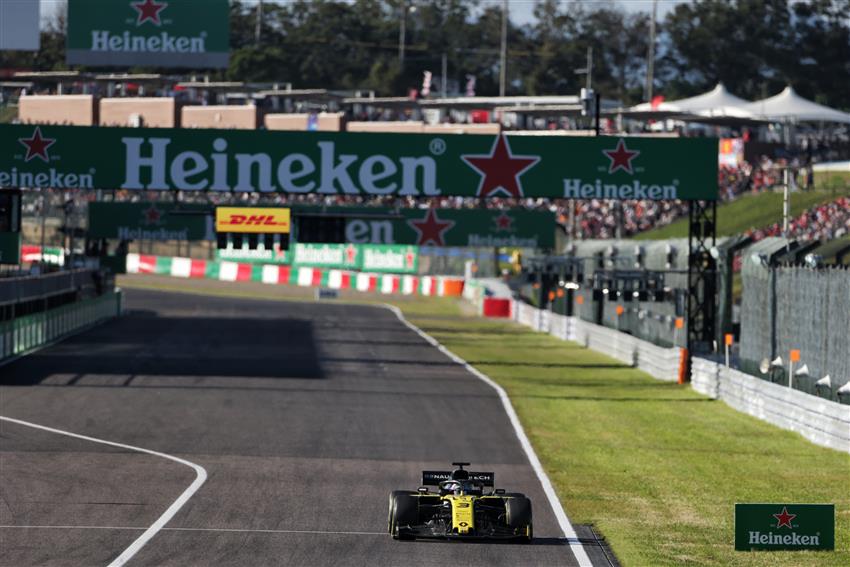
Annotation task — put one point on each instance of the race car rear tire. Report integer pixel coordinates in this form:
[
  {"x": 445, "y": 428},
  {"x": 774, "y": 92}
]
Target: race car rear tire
[
  {"x": 518, "y": 516},
  {"x": 404, "y": 511}
]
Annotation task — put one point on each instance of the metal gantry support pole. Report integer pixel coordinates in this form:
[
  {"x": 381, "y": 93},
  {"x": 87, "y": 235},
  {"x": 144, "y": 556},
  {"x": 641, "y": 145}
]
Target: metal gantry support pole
[
  {"x": 702, "y": 277},
  {"x": 503, "y": 50}
]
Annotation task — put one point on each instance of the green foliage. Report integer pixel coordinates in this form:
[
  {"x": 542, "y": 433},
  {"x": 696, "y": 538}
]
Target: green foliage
[{"x": 755, "y": 47}]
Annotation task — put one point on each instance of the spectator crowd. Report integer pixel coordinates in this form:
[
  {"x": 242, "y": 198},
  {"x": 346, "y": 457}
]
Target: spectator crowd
[{"x": 821, "y": 222}]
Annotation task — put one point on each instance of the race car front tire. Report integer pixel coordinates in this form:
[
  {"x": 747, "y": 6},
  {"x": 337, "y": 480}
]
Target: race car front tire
[
  {"x": 518, "y": 516},
  {"x": 404, "y": 511}
]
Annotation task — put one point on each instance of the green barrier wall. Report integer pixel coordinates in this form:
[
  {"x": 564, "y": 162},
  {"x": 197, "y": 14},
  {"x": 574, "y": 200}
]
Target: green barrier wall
[{"x": 25, "y": 334}]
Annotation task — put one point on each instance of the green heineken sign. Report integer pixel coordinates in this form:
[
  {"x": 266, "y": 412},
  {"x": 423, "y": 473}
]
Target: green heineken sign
[
  {"x": 345, "y": 163},
  {"x": 10, "y": 247},
  {"x": 156, "y": 33},
  {"x": 515, "y": 228},
  {"x": 364, "y": 257},
  {"x": 150, "y": 221},
  {"x": 784, "y": 526}
]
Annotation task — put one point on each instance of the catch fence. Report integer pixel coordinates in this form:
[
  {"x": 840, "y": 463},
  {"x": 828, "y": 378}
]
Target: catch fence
[{"x": 796, "y": 308}]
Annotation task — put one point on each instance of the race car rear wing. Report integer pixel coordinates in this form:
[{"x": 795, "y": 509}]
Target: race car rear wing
[{"x": 434, "y": 478}]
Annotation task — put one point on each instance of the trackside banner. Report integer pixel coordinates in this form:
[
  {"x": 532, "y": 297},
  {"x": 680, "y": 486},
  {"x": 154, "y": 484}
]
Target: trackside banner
[
  {"x": 343, "y": 163},
  {"x": 784, "y": 526},
  {"x": 365, "y": 257},
  {"x": 155, "y": 33},
  {"x": 508, "y": 228}
]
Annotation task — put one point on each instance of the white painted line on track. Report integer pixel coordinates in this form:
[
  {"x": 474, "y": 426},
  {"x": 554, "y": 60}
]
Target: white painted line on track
[
  {"x": 159, "y": 524},
  {"x": 563, "y": 521},
  {"x": 223, "y": 530}
]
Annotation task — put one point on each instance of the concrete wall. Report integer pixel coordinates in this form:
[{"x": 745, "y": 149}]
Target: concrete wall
[
  {"x": 462, "y": 128},
  {"x": 821, "y": 421},
  {"x": 155, "y": 112},
  {"x": 74, "y": 110},
  {"x": 325, "y": 121},
  {"x": 661, "y": 363},
  {"x": 244, "y": 117},
  {"x": 409, "y": 127},
  {"x": 416, "y": 127}
]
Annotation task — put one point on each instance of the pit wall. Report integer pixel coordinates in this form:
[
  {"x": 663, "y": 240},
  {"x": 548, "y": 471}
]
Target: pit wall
[
  {"x": 821, "y": 421},
  {"x": 389, "y": 284}
]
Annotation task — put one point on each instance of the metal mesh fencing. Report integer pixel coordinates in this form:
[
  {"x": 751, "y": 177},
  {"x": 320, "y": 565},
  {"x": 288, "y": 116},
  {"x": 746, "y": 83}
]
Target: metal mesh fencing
[{"x": 797, "y": 308}]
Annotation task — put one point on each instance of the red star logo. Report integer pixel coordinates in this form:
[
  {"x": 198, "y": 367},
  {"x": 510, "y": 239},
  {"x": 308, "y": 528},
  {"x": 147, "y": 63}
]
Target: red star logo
[
  {"x": 431, "y": 229},
  {"x": 152, "y": 215},
  {"x": 621, "y": 157},
  {"x": 409, "y": 259},
  {"x": 784, "y": 518},
  {"x": 350, "y": 254},
  {"x": 149, "y": 11},
  {"x": 504, "y": 222},
  {"x": 37, "y": 146},
  {"x": 500, "y": 170}
]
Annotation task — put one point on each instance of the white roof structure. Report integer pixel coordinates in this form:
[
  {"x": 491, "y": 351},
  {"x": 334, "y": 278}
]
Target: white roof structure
[
  {"x": 789, "y": 106},
  {"x": 718, "y": 97}
]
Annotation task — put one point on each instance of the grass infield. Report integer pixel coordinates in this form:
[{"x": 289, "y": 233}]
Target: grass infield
[{"x": 656, "y": 467}]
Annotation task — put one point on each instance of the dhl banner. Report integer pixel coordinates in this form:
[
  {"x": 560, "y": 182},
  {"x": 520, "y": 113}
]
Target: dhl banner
[{"x": 260, "y": 220}]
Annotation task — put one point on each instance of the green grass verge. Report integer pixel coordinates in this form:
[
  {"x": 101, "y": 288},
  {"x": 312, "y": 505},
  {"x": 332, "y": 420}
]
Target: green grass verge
[
  {"x": 750, "y": 211},
  {"x": 655, "y": 466}
]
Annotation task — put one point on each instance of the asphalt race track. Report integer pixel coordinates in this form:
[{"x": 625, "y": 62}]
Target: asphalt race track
[{"x": 304, "y": 416}]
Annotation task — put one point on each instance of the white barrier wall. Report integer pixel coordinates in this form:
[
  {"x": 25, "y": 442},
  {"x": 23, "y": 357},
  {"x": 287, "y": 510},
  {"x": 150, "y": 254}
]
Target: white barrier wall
[
  {"x": 821, "y": 421},
  {"x": 661, "y": 363}
]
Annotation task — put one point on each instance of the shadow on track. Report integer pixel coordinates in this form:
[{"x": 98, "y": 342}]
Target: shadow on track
[{"x": 145, "y": 343}]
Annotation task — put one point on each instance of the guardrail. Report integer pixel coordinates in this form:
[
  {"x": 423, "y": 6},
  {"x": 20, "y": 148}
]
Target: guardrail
[
  {"x": 24, "y": 334},
  {"x": 29, "y": 288},
  {"x": 821, "y": 421}
]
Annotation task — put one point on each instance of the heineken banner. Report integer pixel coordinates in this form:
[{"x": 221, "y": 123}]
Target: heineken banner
[
  {"x": 513, "y": 228},
  {"x": 365, "y": 257},
  {"x": 154, "y": 33},
  {"x": 150, "y": 221},
  {"x": 346, "y": 163},
  {"x": 784, "y": 526}
]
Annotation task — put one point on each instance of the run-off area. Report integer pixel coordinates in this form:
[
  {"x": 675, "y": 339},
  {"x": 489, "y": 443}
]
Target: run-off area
[{"x": 305, "y": 416}]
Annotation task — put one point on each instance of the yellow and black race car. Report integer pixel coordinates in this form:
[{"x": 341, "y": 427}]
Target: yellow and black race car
[{"x": 466, "y": 506}]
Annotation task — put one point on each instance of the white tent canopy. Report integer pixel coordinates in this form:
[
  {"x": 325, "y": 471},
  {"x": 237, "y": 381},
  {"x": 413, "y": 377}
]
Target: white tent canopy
[
  {"x": 718, "y": 97},
  {"x": 790, "y": 106}
]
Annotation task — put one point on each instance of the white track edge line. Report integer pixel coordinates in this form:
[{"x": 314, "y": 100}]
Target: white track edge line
[
  {"x": 563, "y": 521},
  {"x": 150, "y": 532}
]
